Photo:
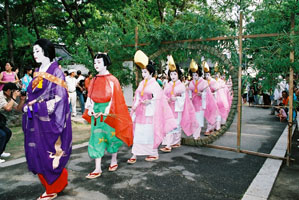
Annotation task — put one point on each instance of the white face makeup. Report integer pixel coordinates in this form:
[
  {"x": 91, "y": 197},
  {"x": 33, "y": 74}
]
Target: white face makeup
[
  {"x": 195, "y": 76},
  {"x": 174, "y": 76},
  {"x": 99, "y": 65},
  {"x": 145, "y": 74},
  {"x": 38, "y": 54},
  {"x": 208, "y": 76}
]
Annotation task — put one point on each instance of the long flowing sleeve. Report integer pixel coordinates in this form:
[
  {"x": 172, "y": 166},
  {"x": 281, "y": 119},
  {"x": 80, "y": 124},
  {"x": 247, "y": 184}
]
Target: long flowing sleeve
[
  {"x": 203, "y": 96},
  {"x": 179, "y": 103},
  {"x": 51, "y": 104},
  {"x": 89, "y": 105},
  {"x": 110, "y": 102}
]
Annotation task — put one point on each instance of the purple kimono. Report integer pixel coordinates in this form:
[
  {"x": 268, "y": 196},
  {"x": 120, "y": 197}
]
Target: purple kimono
[{"x": 47, "y": 127}]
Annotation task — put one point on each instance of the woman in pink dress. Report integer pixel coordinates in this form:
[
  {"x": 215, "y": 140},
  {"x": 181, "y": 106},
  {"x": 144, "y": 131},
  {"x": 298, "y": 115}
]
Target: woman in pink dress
[
  {"x": 222, "y": 98},
  {"x": 8, "y": 76},
  {"x": 202, "y": 98},
  {"x": 214, "y": 86},
  {"x": 151, "y": 115},
  {"x": 181, "y": 107},
  {"x": 229, "y": 85}
]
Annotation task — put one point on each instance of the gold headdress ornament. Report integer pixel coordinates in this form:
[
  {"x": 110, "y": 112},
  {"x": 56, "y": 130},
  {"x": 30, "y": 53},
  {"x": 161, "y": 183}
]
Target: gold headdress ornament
[
  {"x": 193, "y": 66},
  {"x": 216, "y": 67},
  {"x": 205, "y": 66},
  {"x": 171, "y": 64},
  {"x": 141, "y": 59}
]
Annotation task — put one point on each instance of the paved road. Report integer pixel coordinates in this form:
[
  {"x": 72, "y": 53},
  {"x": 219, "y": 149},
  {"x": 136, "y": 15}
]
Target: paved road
[{"x": 186, "y": 173}]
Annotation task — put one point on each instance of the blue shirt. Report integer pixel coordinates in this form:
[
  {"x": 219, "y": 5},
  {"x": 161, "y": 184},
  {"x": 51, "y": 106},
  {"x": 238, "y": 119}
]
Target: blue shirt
[{"x": 25, "y": 82}]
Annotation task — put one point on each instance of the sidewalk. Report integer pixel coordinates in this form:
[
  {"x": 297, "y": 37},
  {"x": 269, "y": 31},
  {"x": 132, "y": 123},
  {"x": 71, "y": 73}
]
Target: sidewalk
[
  {"x": 287, "y": 183},
  {"x": 186, "y": 173}
]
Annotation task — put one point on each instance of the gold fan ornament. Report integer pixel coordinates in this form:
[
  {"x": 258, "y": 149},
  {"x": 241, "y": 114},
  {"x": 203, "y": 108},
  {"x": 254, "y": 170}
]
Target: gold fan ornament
[
  {"x": 193, "y": 66},
  {"x": 170, "y": 63},
  {"x": 141, "y": 59},
  {"x": 205, "y": 66}
]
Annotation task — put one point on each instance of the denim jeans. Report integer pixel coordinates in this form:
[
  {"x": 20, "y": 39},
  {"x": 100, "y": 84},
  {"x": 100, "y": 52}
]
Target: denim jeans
[
  {"x": 81, "y": 100},
  {"x": 5, "y": 134}
]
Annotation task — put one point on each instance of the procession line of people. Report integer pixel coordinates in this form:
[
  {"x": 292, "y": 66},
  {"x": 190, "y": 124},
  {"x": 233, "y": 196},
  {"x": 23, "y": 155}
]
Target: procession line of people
[{"x": 158, "y": 116}]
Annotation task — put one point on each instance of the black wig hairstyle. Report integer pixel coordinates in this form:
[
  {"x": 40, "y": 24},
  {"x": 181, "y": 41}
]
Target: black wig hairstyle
[
  {"x": 106, "y": 58},
  {"x": 178, "y": 70},
  {"x": 27, "y": 69},
  {"x": 48, "y": 48},
  {"x": 199, "y": 71},
  {"x": 151, "y": 67}
]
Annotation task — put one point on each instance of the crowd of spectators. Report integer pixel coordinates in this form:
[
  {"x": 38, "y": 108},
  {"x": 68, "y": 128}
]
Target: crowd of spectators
[{"x": 276, "y": 98}]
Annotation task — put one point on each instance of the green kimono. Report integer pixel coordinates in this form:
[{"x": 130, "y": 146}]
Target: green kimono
[{"x": 102, "y": 135}]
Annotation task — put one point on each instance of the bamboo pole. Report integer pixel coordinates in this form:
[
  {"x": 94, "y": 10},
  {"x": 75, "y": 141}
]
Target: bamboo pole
[
  {"x": 266, "y": 106},
  {"x": 263, "y": 35},
  {"x": 291, "y": 92},
  {"x": 239, "y": 121},
  {"x": 246, "y": 152},
  {"x": 211, "y": 39},
  {"x": 136, "y": 48}
]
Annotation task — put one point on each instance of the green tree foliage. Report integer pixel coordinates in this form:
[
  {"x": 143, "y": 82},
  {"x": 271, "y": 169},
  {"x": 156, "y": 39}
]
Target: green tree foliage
[
  {"x": 86, "y": 27},
  {"x": 270, "y": 56}
]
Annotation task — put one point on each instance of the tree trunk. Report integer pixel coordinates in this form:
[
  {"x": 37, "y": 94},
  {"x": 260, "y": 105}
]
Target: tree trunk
[
  {"x": 9, "y": 36},
  {"x": 78, "y": 24},
  {"x": 34, "y": 22},
  {"x": 160, "y": 11}
]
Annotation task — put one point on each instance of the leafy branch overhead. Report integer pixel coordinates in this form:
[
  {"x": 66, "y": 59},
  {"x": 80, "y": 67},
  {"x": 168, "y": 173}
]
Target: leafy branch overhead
[{"x": 86, "y": 27}]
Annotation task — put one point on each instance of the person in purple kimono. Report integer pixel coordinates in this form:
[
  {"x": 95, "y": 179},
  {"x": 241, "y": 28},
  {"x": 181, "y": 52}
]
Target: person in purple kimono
[{"x": 46, "y": 122}]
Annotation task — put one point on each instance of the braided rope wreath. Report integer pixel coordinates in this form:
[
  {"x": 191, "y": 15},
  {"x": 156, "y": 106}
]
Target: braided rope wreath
[{"x": 234, "y": 75}]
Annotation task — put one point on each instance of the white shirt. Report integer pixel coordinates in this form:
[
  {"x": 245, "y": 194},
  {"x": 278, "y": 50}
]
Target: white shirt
[
  {"x": 277, "y": 94},
  {"x": 4, "y": 101},
  {"x": 80, "y": 78},
  {"x": 71, "y": 83}
]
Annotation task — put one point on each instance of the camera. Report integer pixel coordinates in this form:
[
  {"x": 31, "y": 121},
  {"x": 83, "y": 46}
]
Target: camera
[{"x": 23, "y": 93}]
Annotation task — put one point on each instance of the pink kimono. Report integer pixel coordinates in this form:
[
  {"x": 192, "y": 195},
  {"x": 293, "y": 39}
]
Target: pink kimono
[
  {"x": 203, "y": 102},
  {"x": 214, "y": 86},
  {"x": 183, "y": 111},
  {"x": 151, "y": 121},
  {"x": 220, "y": 93},
  {"x": 222, "y": 100},
  {"x": 229, "y": 86}
]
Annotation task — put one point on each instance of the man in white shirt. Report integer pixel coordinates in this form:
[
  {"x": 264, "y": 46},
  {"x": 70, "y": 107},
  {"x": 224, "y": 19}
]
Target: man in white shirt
[
  {"x": 8, "y": 102},
  {"x": 277, "y": 97},
  {"x": 71, "y": 82}
]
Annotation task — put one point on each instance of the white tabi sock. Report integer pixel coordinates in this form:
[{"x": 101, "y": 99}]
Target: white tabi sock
[
  {"x": 197, "y": 133},
  {"x": 113, "y": 159},
  {"x": 98, "y": 168}
]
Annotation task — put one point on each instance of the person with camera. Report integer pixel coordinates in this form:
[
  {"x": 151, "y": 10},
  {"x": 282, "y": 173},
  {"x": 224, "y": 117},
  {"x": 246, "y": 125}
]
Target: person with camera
[{"x": 8, "y": 102}]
